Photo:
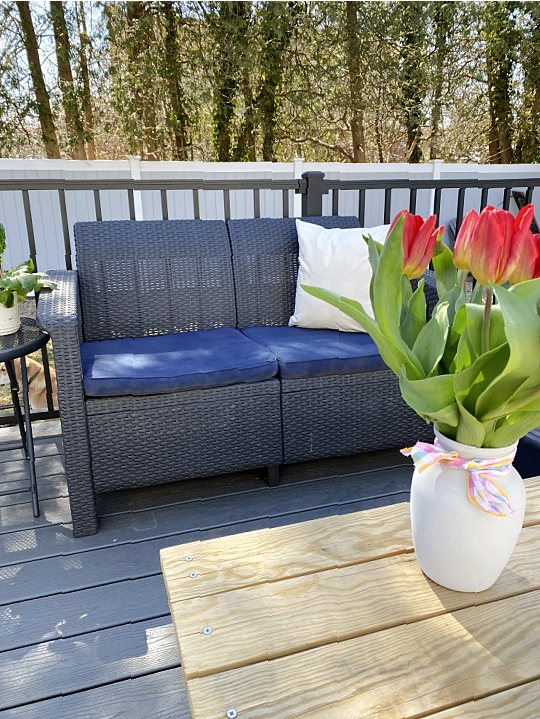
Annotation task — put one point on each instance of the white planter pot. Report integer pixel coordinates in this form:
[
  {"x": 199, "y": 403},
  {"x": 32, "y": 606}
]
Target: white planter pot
[
  {"x": 458, "y": 545},
  {"x": 9, "y": 319}
]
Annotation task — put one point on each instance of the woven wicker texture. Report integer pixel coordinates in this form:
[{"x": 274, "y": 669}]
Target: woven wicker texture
[
  {"x": 151, "y": 440},
  {"x": 345, "y": 414},
  {"x": 265, "y": 260},
  {"x": 59, "y": 313},
  {"x": 154, "y": 277}
]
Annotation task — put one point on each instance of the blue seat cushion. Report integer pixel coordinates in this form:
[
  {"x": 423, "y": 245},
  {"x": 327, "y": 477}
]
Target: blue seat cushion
[
  {"x": 169, "y": 363},
  {"x": 313, "y": 353}
]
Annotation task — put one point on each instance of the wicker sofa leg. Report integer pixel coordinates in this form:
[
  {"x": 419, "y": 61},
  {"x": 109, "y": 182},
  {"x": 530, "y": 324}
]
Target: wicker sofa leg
[{"x": 273, "y": 476}]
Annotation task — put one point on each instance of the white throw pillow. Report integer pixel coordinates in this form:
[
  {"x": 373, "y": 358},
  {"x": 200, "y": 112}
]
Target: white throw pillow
[{"x": 337, "y": 260}]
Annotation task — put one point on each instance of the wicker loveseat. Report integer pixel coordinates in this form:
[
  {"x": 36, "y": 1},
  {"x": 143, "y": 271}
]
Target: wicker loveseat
[{"x": 174, "y": 360}]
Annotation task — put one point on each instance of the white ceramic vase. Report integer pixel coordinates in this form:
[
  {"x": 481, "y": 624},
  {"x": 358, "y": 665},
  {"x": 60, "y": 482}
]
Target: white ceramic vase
[
  {"x": 9, "y": 318},
  {"x": 458, "y": 545}
]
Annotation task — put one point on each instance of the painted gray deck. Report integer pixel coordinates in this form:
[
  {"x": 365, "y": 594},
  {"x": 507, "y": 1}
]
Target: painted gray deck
[{"x": 85, "y": 629}]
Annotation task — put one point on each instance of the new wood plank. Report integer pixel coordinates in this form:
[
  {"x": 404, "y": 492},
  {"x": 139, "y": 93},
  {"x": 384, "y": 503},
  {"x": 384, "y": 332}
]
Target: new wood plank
[
  {"x": 223, "y": 565},
  {"x": 157, "y": 696},
  {"x": 68, "y": 665},
  {"x": 328, "y": 606},
  {"x": 407, "y": 671},
  {"x": 123, "y": 560},
  {"x": 74, "y": 613},
  {"x": 523, "y": 702}
]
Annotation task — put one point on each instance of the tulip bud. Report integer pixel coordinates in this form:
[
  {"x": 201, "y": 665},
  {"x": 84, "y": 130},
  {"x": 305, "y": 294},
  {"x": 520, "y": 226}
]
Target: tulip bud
[
  {"x": 497, "y": 244},
  {"x": 419, "y": 238},
  {"x": 462, "y": 247},
  {"x": 528, "y": 266}
]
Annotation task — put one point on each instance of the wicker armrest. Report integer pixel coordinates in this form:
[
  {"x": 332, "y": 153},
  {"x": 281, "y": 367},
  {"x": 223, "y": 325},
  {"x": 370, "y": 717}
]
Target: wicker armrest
[
  {"x": 60, "y": 308},
  {"x": 59, "y": 313}
]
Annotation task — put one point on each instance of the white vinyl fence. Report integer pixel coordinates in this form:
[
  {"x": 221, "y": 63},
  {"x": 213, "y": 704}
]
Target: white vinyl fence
[{"x": 47, "y": 220}]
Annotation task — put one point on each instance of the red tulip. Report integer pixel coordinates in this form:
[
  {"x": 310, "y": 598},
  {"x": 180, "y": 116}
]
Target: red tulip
[
  {"x": 497, "y": 244},
  {"x": 528, "y": 266},
  {"x": 462, "y": 248},
  {"x": 419, "y": 237}
]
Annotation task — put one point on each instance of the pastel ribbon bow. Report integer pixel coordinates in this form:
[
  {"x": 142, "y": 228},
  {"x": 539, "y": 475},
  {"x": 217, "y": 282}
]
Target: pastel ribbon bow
[{"x": 484, "y": 493}]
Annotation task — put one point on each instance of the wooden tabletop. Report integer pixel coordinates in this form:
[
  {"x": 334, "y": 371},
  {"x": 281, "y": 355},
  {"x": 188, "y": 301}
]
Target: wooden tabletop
[{"x": 333, "y": 619}]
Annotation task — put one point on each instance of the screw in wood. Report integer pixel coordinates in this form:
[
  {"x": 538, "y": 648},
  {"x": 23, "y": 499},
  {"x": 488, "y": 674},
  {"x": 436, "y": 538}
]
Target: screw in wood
[
  {"x": 189, "y": 559},
  {"x": 193, "y": 574},
  {"x": 207, "y": 630},
  {"x": 231, "y": 714}
]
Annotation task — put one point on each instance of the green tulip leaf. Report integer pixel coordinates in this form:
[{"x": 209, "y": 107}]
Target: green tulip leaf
[
  {"x": 431, "y": 341},
  {"x": 414, "y": 315},
  {"x": 386, "y": 283},
  {"x": 529, "y": 292},
  {"x": 514, "y": 427},
  {"x": 374, "y": 251},
  {"x": 526, "y": 399},
  {"x": 445, "y": 270},
  {"x": 472, "y": 381},
  {"x": 522, "y": 329},
  {"x": 469, "y": 429},
  {"x": 406, "y": 290},
  {"x": 433, "y": 398}
]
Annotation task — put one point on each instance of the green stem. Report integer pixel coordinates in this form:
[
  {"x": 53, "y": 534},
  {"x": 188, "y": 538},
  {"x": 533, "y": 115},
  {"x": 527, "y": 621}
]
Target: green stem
[
  {"x": 463, "y": 280},
  {"x": 486, "y": 321}
]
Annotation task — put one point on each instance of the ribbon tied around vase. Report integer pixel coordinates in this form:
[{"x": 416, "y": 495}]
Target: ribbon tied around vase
[{"x": 482, "y": 491}]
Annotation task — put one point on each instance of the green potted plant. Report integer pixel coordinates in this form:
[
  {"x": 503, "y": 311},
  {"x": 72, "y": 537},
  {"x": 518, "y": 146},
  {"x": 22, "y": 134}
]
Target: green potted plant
[
  {"x": 472, "y": 370},
  {"x": 15, "y": 284}
]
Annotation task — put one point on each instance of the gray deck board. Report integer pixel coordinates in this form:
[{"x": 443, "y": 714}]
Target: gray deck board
[
  {"x": 62, "y": 666},
  {"x": 84, "y": 623},
  {"x": 51, "y": 487},
  {"x": 188, "y": 516},
  {"x": 156, "y": 696},
  {"x": 73, "y": 613},
  {"x": 15, "y": 469}
]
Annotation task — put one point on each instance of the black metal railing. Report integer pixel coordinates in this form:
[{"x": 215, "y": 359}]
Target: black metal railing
[{"x": 312, "y": 186}]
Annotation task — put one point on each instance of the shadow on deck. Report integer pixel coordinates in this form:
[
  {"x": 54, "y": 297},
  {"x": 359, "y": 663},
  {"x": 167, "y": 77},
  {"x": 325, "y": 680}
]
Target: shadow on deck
[{"x": 85, "y": 629}]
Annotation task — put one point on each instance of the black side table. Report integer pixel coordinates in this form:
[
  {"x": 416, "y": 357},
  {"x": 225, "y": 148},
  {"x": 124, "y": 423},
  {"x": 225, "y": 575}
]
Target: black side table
[{"x": 28, "y": 339}]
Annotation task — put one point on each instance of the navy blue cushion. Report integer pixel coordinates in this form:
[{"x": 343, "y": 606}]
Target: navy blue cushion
[
  {"x": 313, "y": 353},
  {"x": 168, "y": 363}
]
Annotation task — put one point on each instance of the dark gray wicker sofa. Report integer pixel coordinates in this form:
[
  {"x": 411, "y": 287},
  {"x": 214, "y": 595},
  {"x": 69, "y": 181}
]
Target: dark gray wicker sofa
[{"x": 174, "y": 360}]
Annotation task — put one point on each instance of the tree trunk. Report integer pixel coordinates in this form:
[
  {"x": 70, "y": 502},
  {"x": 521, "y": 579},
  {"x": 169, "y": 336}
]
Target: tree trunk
[
  {"x": 413, "y": 80},
  {"x": 245, "y": 147},
  {"x": 499, "y": 31},
  {"x": 74, "y": 126},
  {"x": 277, "y": 26},
  {"x": 48, "y": 130},
  {"x": 177, "y": 118},
  {"x": 138, "y": 19},
  {"x": 443, "y": 16},
  {"x": 85, "y": 51},
  {"x": 228, "y": 28},
  {"x": 356, "y": 87}
]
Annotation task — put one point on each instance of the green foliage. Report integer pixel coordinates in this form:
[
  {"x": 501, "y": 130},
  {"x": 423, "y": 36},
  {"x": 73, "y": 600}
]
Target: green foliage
[
  {"x": 20, "y": 280},
  {"x": 349, "y": 81},
  {"x": 2, "y": 242}
]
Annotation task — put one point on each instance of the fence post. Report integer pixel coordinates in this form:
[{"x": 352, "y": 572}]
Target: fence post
[
  {"x": 135, "y": 171},
  {"x": 312, "y": 198},
  {"x": 298, "y": 167}
]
